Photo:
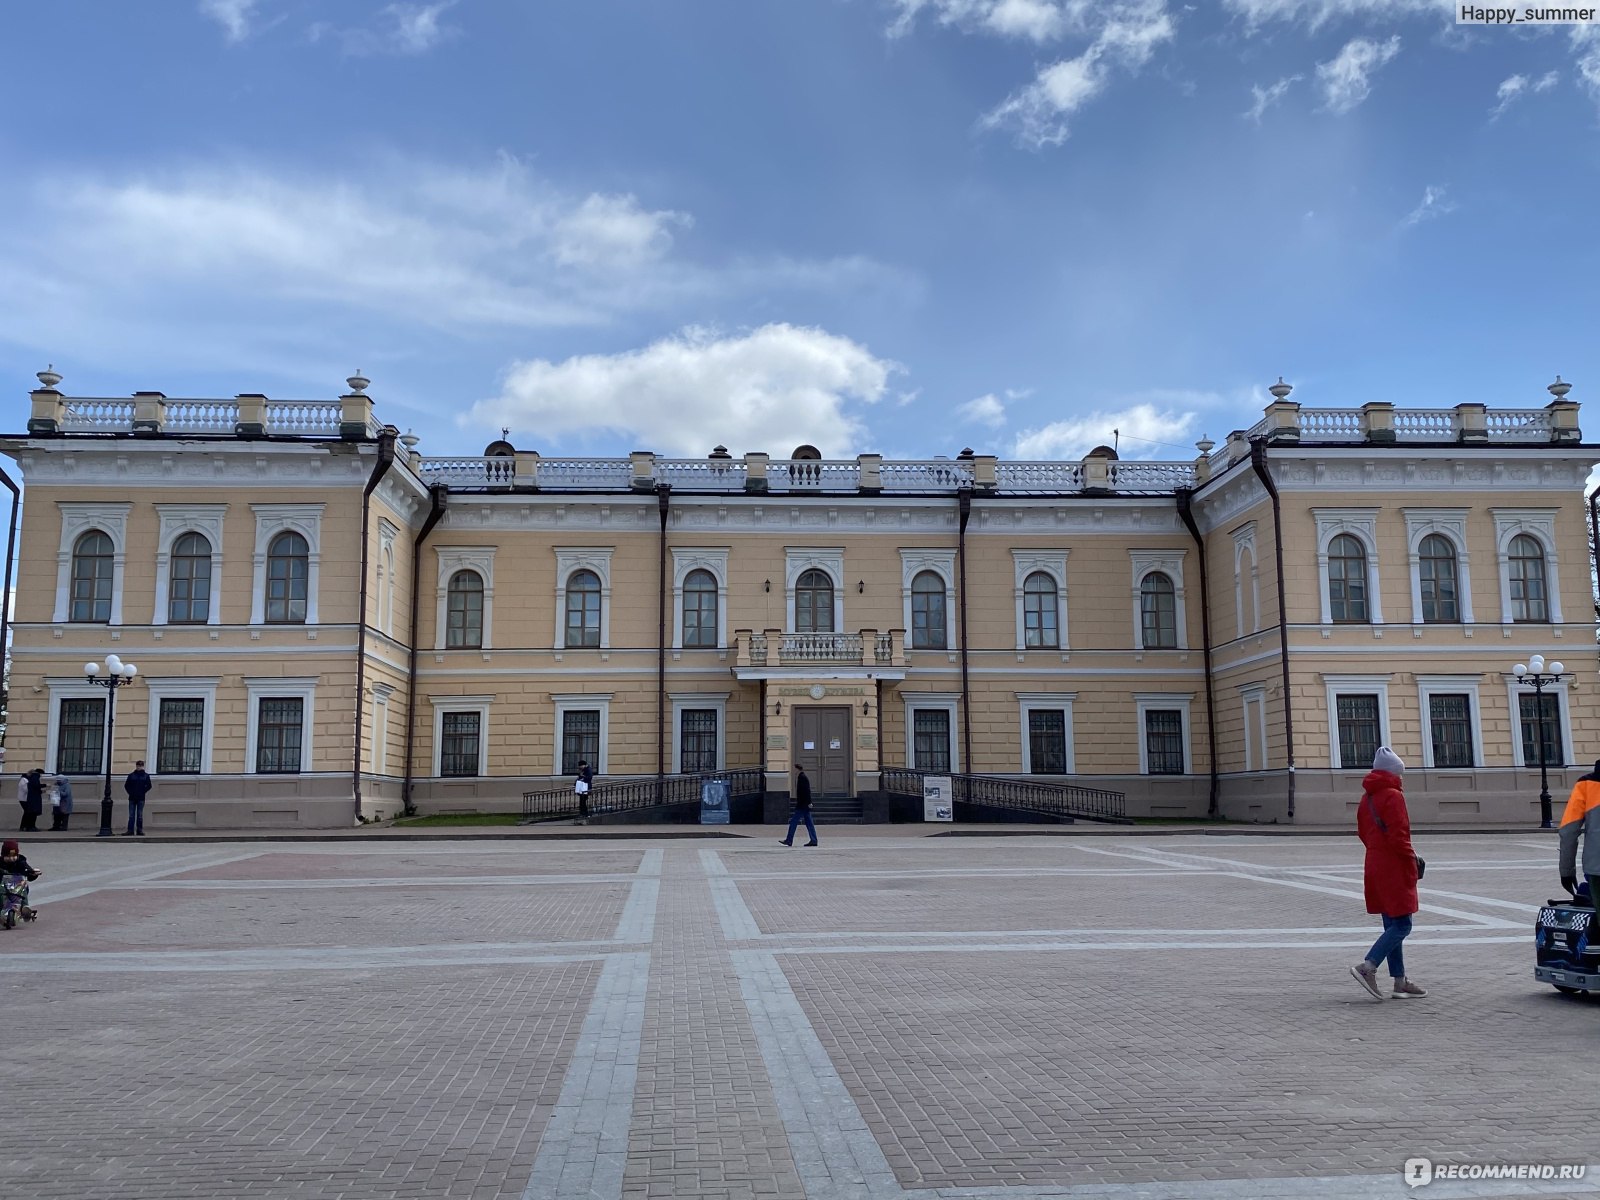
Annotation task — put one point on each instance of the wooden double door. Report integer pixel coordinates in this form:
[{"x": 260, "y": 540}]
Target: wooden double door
[{"x": 822, "y": 747}]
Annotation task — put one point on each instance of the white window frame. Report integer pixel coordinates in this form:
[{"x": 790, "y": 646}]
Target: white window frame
[
  {"x": 1170, "y": 564},
  {"x": 943, "y": 564},
  {"x": 1253, "y": 701},
  {"x": 1053, "y": 702},
  {"x": 77, "y": 519},
  {"x": 378, "y": 745},
  {"x": 387, "y": 533},
  {"x": 1450, "y": 685},
  {"x": 1356, "y": 685},
  {"x": 1048, "y": 562},
  {"x": 69, "y": 689},
  {"x": 696, "y": 700},
  {"x": 1362, "y": 524},
  {"x": 271, "y": 520},
  {"x": 570, "y": 701},
  {"x": 1451, "y": 524},
  {"x": 1539, "y": 523},
  {"x": 1244, "y": 542},
  {"x": 949, "y": 702},
  {"x": 479, "y": 559},
  {"x": 460, "y": 704},
  {"x": 180, "y": 688},
  {"x": 685, "y": 561},
  {"x": 1564, "y": 707},
  {"x": 1144, "y": 702},
  {"x": 177, "y": 520},
  {"x": 830, "y": 561},
  {"x": 257, "y": 690},
  {"x": 570, "y": 559}
]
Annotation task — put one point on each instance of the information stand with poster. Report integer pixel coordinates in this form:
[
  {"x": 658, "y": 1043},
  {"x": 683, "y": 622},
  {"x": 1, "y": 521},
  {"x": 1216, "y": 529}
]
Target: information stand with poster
[
  {"x": 714, "y": 796},
  {"x": 938, "y": 798}
]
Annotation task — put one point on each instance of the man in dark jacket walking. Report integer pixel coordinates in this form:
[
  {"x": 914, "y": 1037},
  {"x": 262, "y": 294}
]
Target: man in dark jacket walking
[
  {"x": 802, "y": 807},
  {"x": 137, "y": 785},
  {"x": 1581, "y": 822}
]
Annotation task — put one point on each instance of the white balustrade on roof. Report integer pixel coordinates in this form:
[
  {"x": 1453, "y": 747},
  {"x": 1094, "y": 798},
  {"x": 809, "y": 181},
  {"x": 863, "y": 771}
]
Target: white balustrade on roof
[
  {"x": 1039, "y": 476},
  {"x": 1151, "y": 476},
  {"x": 813, "y": 475},
  {"x": 300, "y": 417},
  {"x": 201, "y": 416},
  {"x": 1519, "y": 424},
  {"x": 98, "y": 416},
  {"x": 925, "y": 475},
  {"x": 1331, "y": 424},
  {"x": 702, "y": 474}
]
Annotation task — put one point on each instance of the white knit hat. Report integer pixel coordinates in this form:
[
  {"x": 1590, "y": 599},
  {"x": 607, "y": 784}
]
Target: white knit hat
[{"x": 1387, "y": 760}]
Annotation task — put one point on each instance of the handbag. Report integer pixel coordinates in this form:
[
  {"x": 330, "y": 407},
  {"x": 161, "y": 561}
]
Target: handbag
[
  {"x": 1422, "y": 865},
  {"x": 581, "y": 788}
]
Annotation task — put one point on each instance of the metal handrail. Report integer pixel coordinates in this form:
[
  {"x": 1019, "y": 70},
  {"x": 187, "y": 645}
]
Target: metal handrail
[
  {"x": 636, "y": 792},
  {"x": 1026, "y": 795}
]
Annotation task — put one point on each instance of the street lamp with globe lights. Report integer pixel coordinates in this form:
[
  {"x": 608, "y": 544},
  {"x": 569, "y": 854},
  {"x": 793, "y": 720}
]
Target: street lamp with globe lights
[
  {"x": 117, "y": 674},
  {"x": 1535, "y": 674}
]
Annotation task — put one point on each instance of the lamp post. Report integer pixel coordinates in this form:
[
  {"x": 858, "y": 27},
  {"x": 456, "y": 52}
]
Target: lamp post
[
  {"x": 1534, "y": 674},
  {"x": 117, "y": 674}
]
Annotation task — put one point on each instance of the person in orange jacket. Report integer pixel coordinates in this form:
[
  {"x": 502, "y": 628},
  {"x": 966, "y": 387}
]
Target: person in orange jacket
[
  {"x": 1581, "y": 821},
  {"x": 1390, "y": 875}
]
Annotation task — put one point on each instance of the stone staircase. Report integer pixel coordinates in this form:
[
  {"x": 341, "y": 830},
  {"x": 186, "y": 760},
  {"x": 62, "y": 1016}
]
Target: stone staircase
[{"x": 836, "y": 810}]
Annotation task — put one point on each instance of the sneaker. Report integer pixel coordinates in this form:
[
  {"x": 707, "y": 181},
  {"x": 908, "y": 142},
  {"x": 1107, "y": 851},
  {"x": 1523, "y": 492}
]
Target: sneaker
[
  {"x": 1366, "y": 975},
  {"x": 1404, "y": 988},
  {"x": 784, "y": 842}
]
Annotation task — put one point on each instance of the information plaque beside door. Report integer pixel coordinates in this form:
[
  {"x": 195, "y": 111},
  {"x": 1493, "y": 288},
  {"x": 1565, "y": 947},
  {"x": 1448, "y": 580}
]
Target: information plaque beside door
[{"x": 937, "y": 798}]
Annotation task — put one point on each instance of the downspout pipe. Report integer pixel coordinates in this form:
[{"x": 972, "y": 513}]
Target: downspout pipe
[
  {"x": 663, "y": 503},
  {"x": 381, "y": 468},
  {"x": 1594, "y": 538},
  {"x": 1258, "y": 461},
  {"x": 437, "y": 496},
  {"x": 1186, "y": 512},
  {"x": 11, "y": 550},
  {"x": 964, "y": 497}
]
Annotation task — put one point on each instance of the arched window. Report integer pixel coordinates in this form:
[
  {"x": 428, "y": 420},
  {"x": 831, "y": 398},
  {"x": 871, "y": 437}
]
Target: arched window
[
  {"x": 464, "y": 612},
  {"x": 583, "y": 610},
  {"x": 813, "y": 603},
  {"x": 1158, "y": 610},
  {"x": 288, "y": 569},
  {"x": 1436, "y": 575},
  {"x": 1040, "y": 621},
  {"x": 92, "y": 563},
  {"x": 189, "y": 589},
  {"x": 927, "y": 612},
  {"x": 1347, "y": 580},
  {"x": 700, "y": 609},
  {"x": 1530, "y": 598}
]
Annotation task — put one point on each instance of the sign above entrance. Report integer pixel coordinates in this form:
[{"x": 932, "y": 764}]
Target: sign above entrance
[{"x": 818, "y": 691}]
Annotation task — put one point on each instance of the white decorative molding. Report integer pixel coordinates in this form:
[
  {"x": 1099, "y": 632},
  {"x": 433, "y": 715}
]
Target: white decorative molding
[
  {"x": 1540, "y": 524},
  {"x": 479, "y": 559},
  {"x": 1048, "y": 562},
  {"x": 566, "y": 702},
  {"x": 177, "y": 520},
  {"x": 1054, "y": 702},
  {"x": 686, "y": 560},
  {"x": 387, "y": 532},
  {"x": 1246, "y": 579},
  {"x": 1362, "y": 524},
  {"x": 949, "y": 702},
  {"x": 830, "y": 561},
  {"x": 59, "y": 689},
  {"x": 942, "y": 562},
  {"x": 78, "y": 518},
  {"x": 304, "y": 689},
  {"x": 461, "y": 704},
  {"x": 1253, "y": 698},
  {"x": 1170, "y": 563},
  {"x": 1451, "y": 524},
  {"x": 570, "y": 559},
  {"x": 179, "y": 687},
  {"x": 1360, "y": 685},
  {"x": 1145, "y": 702},
  {"x": 271, "y": 520},
  {"x": 699, "y": 700},
  {"x": 1427, "y": 686}
]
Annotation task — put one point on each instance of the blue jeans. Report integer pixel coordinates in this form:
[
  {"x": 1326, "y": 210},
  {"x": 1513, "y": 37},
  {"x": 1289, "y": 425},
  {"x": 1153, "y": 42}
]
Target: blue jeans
[
  {"x": 1387, "y": 946},
  {"x": 801, "y": 814},
  {"x": 136, "y": 816}
]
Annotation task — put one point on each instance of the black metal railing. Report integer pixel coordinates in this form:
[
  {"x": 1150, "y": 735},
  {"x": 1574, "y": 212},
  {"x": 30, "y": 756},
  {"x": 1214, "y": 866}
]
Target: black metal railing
[
  {"x": 1025, "y": 795},
  {"x": 637, "y": 792}
]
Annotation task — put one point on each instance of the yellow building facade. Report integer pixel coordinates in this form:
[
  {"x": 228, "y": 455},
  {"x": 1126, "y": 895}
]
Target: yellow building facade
[{"x": 327, "y": 622}]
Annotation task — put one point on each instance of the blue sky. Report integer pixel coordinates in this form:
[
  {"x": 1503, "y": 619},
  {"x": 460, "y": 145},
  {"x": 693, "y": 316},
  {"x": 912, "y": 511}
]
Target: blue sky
[{"x": 902, "y": 226}]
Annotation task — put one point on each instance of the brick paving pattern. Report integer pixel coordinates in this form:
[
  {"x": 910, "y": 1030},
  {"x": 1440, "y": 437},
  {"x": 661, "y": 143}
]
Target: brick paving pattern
[{"x": 886, "y": 1017}]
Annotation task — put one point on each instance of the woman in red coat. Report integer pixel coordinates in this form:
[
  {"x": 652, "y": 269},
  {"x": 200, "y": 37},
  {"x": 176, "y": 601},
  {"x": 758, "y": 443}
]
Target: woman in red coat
[{"x": 1391, "y": 872}]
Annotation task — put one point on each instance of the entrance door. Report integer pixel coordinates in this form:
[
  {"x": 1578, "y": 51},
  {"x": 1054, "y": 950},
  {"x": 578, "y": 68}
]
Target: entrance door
[{"x": 822, "y": 746}]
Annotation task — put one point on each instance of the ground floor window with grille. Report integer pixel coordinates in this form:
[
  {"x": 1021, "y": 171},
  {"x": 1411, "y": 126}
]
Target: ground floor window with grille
[
  {"x": 81, "y": 736},
  {"x": 931, "y": 740},
  {"x": 1358, "y": 731},
  {"x": 697, "y": 740},
  {"x": 1047, "y": 741},
  {"x": 1554, "y": 753},
  {"x": 1163, "y": 741},
  {"x": 278, "y": 735},
  {"x": 1450, "y": 723},
  {"x": 580, "y": 739},
  {"x": 459, "y": 747},
  {"x": 180, "y": 737}
]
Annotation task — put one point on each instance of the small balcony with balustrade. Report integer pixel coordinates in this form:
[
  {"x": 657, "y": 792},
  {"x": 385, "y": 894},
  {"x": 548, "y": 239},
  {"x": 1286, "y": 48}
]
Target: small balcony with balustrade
[{"x": 776, "y": 654}]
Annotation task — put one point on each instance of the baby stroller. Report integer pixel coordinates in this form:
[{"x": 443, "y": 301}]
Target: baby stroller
[{"x": 14, "y": 901}]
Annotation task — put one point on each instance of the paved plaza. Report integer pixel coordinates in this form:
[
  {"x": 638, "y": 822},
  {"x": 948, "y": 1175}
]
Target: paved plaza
[{"x": 888, "y": 1016}]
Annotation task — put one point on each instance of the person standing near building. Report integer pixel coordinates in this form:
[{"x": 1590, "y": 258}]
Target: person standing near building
[
  {"x": 1581, "y": 822},
  {"x": 802, "y": 807},
  {"x": 1391, "y": 874},
  {"x": 32, "y": 796},
  {"x": 137, "y": 785},
  {"x": 62, "y": 812},
  {"x": 584, "y": 786}
]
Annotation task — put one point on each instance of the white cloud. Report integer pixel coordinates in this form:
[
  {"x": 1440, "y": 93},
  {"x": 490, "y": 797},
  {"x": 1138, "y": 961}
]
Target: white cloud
[
  {"x": 1034, "y": 20},
  {"x": 614, "y": 231},
  {"x": 1347, "y": 78},
  {"x": 768, "y": 389},
  {"x": 1433, "y": 204},
  {"x": 1507, "y": 92},
  {"x": 1316, "y": 13},
  {"x": 1265, "y": 98},
  {"x": 985, "y": 410},
  {"x": 1151, "y": 427},
  {"x": 399, "y": 29},
  {"x": 233, "y": 15},
  {"x": 1586, "y": 44}
]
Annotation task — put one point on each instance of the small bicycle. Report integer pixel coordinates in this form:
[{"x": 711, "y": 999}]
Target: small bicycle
[{"x": 14, "y": 901}]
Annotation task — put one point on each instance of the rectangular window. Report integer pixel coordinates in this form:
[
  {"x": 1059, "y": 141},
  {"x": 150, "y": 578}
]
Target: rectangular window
[
  {"x": 458, "y": 750},
  {"x": 697, "y": 740},
  {"x": 1358, "y": 731},
  {"x": 180, "y": 735},
  {"x": 931, "y": 733},
  {"x": 278, "y": 736},
  {"x": 1450, "y": 722},
  {"x": 81, "y": 737},
  {"x": 580, "y": 740},
  {"x": 1047, "y": 741},
  {"x": 1163, "y": 741},
  {"x": 1530, "y": 714}
]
